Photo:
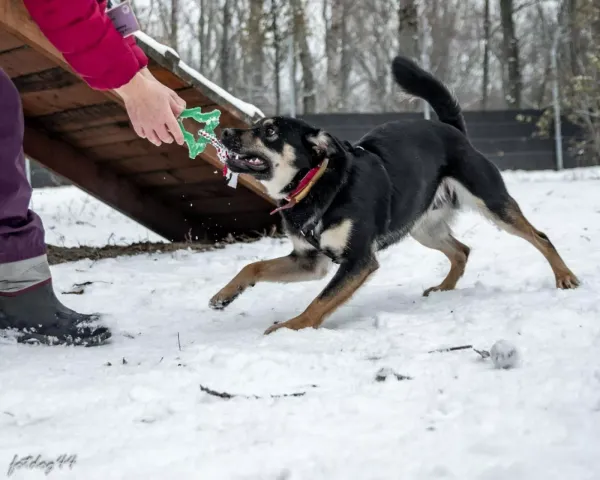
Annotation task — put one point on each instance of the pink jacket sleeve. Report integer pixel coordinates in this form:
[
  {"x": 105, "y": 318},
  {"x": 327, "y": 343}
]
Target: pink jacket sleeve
[{"x": 87, "y": 39}]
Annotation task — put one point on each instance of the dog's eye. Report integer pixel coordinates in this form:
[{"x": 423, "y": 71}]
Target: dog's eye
[{"x": 270, "y": 132}]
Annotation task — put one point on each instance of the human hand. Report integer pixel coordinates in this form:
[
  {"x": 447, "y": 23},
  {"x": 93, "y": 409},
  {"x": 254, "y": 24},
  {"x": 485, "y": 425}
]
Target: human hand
[{"x": 152, "y": 108}]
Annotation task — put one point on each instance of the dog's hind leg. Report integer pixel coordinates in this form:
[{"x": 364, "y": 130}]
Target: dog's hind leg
[
  {"x": 489, "y": 196},
  {"x": 297, "y": 267},
  {"x": 435, "y": 233}
]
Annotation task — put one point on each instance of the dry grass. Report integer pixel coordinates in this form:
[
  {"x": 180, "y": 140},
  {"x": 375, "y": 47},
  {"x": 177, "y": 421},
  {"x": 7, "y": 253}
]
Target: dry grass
[{"x": 58, "y": 255}]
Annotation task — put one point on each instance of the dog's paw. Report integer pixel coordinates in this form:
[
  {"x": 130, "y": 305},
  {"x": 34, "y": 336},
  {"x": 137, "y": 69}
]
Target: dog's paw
[
  {"x": 297, "y": 323},
  {"x": 220, "y": 301},
  {"x": 567, "y": 281}
]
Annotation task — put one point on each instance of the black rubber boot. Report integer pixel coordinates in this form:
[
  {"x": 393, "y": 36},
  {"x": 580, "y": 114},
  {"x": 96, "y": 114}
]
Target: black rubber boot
[{"x": 39, "y": 317}]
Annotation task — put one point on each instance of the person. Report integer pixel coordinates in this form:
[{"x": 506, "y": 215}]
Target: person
[{"x": 105, "y": 60}]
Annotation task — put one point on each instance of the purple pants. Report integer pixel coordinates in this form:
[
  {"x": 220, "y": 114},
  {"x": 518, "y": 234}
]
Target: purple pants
[{"x": 21, "y": 230}]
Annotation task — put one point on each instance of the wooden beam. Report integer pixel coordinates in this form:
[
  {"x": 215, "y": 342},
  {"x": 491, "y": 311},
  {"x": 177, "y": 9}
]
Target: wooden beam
[
  {"x": 101, "y": 183},
  {"x": 83, "y": 117},
  {"x": 8, "y": 41},
  {"x": 45, "y": 80}
]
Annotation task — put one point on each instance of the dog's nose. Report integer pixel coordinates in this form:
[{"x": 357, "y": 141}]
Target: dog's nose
[{"x": 227, "y": 133}]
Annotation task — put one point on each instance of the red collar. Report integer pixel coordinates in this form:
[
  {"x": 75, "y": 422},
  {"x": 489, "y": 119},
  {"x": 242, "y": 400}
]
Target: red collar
[{"x": 304, "y": 186}]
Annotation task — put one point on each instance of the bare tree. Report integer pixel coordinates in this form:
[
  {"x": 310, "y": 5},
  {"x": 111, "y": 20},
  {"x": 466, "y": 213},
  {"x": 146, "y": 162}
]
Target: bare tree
[
  {"x": 226, "y": 49},
  {"x": 510, "y": 54},
  {"x": 300, "y": 32},
  {"x": 408, "y": 28},
  {"x": 277, "y": 46},
  {"x": 486, "y": 56}
]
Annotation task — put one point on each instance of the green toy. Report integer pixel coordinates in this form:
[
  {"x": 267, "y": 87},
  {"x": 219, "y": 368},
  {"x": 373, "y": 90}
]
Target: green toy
[{"x": 206, "y": 136}]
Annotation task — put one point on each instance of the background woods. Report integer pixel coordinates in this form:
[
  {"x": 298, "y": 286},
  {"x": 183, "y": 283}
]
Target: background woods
[{"x": 314, "y": 56}]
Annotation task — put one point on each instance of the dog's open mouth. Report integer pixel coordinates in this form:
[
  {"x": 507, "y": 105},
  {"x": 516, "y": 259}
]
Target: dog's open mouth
[{"x": 247, "y": 162}]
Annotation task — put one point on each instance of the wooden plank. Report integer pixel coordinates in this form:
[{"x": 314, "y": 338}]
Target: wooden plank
[
  {"x": 204, "y": 190},
  {"x": 155, "y": 178},
  {"x": 166, "y": 77},
  {"x": 193, "y": 98},
  {"x": 152, "y": 163},
  {"x": 133, "y": 148},
  {"x": 196, "y": 174},
  {"x": 8, "y": 41},
  {"x": 77, "y": 118},
  {"x": 24, "y": 61},
  {"x": 101, "y": 183},
  {"x": 101, "y": 135},
  {"x": 50, "y": 79},
  {"x": 58, "y": 100}
]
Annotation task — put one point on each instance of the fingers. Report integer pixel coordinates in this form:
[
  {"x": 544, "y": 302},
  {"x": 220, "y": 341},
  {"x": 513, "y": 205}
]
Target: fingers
[
  {"x": 152, "y": 137},
  {"x": 180, "y": 101},
  {"x": 153, "y": 110},
  {"x": 175, "y": 130}
]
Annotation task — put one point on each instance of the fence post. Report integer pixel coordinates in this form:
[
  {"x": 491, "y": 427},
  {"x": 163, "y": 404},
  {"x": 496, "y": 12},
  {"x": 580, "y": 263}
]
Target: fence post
[
  {"x": 556, "y": 102},
  {"x": 425, "y": 57}
]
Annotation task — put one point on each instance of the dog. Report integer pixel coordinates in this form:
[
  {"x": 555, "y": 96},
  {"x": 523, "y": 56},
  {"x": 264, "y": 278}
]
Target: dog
[{"x": 342, "y": 203}]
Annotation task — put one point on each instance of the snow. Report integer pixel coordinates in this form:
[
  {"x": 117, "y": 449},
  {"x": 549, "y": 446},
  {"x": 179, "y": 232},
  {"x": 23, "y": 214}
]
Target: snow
[
  {"x": 73, "y": 218},
  {"x": 456, "y": 418},
  {"x": 245, "y": 107}
]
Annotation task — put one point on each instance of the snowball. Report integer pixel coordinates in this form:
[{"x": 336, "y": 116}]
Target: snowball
[{"x": 504, "y": 354}]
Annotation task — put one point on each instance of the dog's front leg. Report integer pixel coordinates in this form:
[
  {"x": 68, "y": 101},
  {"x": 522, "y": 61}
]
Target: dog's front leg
[
  {"x": 349, "y": 277},
  {"x": 296, "y": 267}
]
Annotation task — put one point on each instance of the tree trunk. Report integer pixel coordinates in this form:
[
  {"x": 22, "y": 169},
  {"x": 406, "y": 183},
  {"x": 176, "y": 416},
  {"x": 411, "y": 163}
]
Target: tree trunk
[
  {"x": 203, "y": 34},
  {"x": 486, "y": 56},
  {"x": 225, "y": 46},
  {"x": 510, "y": 54},
  {"x": 309, "y": 95},
  {"x": 408, "y": 29},
  {"x": 333, "y": 51},
  {"x": 174, "y": 28},
  {"x": 346, "y": 57},
  {"x": 275, "y": 13},
  {"x": 255, "y": 49}
]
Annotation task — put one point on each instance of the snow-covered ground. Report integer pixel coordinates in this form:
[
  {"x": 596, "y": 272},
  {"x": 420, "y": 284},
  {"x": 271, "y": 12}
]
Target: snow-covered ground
[{"x": 134, "y": 409}]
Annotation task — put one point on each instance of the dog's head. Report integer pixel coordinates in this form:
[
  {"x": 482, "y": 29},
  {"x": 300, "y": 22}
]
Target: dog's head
[{"x": 277, "y": 150}]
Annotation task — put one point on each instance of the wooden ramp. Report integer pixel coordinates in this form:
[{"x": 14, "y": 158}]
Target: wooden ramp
[{"x": 85, "y": 136}]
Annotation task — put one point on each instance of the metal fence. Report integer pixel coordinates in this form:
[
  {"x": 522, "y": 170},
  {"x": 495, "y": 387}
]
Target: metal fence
[{"x": 510, "y": 138}]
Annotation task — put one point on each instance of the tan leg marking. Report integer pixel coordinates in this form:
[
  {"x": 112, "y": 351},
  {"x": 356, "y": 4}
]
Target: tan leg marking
[
  {"x": 520, "y": 226},
  {"x": 323, "y": 306},
  {"x": 284, "y": 269},
  {"x": 458, "y": 254}
]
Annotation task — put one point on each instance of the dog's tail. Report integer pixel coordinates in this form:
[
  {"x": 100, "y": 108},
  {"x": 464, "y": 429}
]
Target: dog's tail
[{"x": 416, "y": 81}]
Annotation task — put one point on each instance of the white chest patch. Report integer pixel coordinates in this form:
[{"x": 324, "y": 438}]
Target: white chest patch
[
  {"x": 336, "y": 238},
  {"x": 284, "y": 171}
]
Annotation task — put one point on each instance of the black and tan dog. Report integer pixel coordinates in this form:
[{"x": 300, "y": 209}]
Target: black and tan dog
[{"x": 343, "y": 203}]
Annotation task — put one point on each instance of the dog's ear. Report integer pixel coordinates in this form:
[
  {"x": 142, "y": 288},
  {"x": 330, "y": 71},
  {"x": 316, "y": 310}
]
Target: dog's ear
[{"x": 322, "y": 143}]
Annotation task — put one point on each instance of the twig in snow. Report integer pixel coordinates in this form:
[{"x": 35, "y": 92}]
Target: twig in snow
[
  {"x": 451, "y": 349},
  {"x": 178, "y": 342},
  {"x": 227, "y": 396}
]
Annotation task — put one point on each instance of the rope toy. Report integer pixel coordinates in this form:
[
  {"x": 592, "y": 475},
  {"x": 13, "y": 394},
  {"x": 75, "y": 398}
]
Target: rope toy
[{"x": 206, "y": 136}]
